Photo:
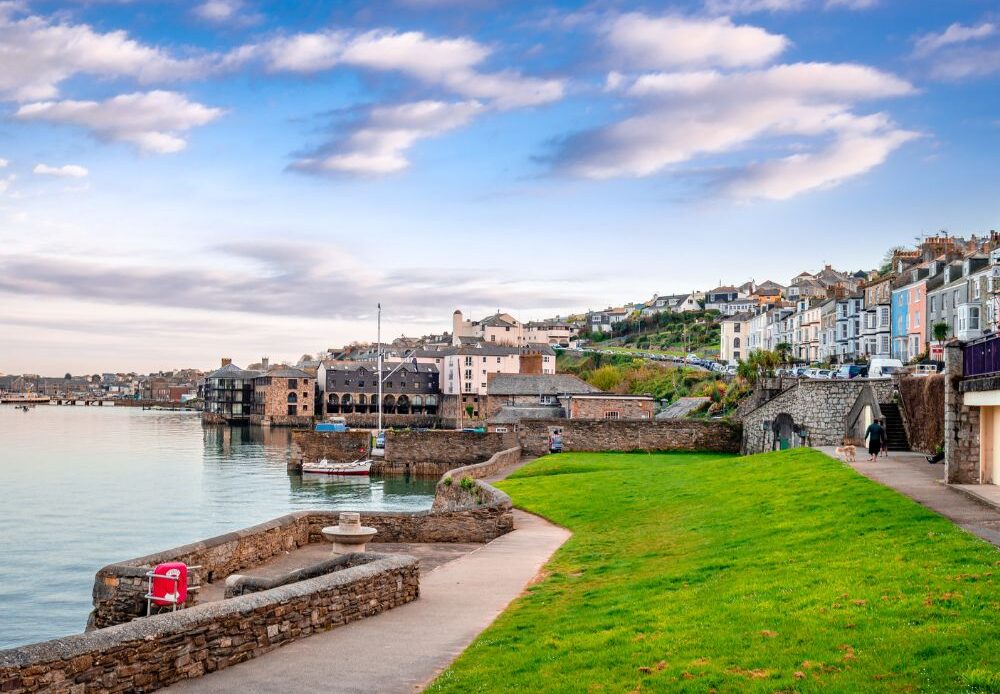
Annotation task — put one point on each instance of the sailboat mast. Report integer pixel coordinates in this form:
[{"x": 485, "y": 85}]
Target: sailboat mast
[{"x": 378, "y": 339}]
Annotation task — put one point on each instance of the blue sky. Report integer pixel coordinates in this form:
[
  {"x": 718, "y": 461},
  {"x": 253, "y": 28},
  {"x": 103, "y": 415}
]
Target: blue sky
[{"x": 183, "y": 181}]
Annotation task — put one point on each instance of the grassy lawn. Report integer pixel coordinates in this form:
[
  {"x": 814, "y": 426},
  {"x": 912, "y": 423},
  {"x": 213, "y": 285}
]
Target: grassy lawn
[{"x": 780, "y": 572}]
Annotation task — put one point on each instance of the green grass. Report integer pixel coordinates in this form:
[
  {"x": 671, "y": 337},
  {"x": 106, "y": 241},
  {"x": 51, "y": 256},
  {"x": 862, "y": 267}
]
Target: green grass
[{"x": 780, "y": 572}]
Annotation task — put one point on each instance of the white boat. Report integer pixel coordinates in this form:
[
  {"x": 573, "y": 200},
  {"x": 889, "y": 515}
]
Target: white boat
[{"x": 325, "y": 467}]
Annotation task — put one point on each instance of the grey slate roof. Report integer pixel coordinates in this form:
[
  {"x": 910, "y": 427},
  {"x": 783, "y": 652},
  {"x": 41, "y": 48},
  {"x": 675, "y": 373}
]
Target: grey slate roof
[
  {"x": 372, "y": 367},
  {"x": 512, "y": 414},
  {"x": 286, "y": 372},
  {"x": 682, "y": 407},
  {"x": 233, "y": 371},
  {"x": 538, "y": 384}
]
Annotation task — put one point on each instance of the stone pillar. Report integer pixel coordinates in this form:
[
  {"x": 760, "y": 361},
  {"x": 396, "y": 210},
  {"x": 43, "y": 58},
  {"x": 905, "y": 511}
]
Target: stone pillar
[{"x": 961, "y": 423}]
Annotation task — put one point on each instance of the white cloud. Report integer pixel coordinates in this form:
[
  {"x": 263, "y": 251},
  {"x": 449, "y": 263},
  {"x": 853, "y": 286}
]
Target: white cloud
[
  {"x": 750, "y": 6},
  {"x": 954, "y": 34},
  {"x": 64, "y": 171},
  {"x": 451, "y": 63},
  {"x": 377, "y": 145},
  {"x": 654, "y": 43},
  {"x": 4, "y": 163},
  {"x": 153, "y": 121},
  {"x": 683, "y": 116},
  {"x": 852, "y": 4},
  {"x": 38, "y": 55},
  {"x": 847, "y": 157},
  {"x": 218, "y": 10},
  {"x": 6, "y": 182}
]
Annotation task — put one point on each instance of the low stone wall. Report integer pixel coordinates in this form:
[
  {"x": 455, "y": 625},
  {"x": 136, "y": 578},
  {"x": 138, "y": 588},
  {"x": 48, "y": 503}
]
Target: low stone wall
[
  {"x": 336, "y": 446},
  {"x": 715, "y": 435},
  {"x": 923, "y": 406},
  {"x": 370, "y": 421},
  {"x": 151, "y": 653},
  {"x": 453, "y": 493}
]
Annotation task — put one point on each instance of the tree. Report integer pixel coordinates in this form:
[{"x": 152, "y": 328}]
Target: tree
[
  {"x": 941, "y": 331},
  {"x": 784, "y": 351},
  {"x": 68, "y": 376}
]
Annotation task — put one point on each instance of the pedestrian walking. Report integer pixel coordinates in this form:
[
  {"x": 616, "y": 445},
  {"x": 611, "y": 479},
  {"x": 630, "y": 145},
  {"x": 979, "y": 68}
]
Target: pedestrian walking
[{"x": 874, "y": 434}]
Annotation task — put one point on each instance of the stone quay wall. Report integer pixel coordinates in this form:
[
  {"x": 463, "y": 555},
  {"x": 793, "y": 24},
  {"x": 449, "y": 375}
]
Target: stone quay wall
[
  {"x": 336, "y": 446},
  {"x": 821, "y": 406},
  {"x": 717, "y": 435},
  {"x": 436, "y": 452},
  {"x": 148, "y": 654}
]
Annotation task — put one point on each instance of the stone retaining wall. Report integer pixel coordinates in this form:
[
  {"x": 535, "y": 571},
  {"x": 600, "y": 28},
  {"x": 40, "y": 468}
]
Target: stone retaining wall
[
  {"x": 715, "y": 435},
  {"x": 436, "y": 452},
  {"x": 147, "y": 654}
]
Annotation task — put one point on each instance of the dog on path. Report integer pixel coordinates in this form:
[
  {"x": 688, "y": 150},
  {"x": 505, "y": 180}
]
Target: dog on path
[{"x": 847, "y": 452}]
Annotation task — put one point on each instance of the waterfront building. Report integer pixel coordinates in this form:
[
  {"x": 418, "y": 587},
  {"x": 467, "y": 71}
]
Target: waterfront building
[
  {"x": 229, "y": 394},
  {"x": 733, "y": 337},
  {"x": 408, "y": 388},
  {"x": 876, "y": 326},
  {"x": 283, "y": 396}
]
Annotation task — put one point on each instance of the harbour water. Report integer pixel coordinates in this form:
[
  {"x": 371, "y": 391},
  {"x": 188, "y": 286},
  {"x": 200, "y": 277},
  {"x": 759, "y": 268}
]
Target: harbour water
[{"x": 83, "y": 487}]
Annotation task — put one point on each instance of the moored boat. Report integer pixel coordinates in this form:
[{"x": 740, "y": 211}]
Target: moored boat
[{"x": 324, "y": 467}]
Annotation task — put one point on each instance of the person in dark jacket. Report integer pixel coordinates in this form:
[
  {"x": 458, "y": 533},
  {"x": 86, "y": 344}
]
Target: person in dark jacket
[{"x": 875, "y": 434}]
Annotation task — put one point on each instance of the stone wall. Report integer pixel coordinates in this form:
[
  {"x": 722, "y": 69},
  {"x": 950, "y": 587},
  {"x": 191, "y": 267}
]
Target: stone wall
[
  {"x": 821, "y": 406},
  {"x": 335, "y": 446},
  {"x": 436, "y": 452},
  {"x": 961, "y": 423},
  {"x": 453, "y": 493},
  {"x": 152, "y": 653},
  {"x": 715, "y": 435},
  {"x": 370, "y": 421},
  {"x": 592, "y": 407}
]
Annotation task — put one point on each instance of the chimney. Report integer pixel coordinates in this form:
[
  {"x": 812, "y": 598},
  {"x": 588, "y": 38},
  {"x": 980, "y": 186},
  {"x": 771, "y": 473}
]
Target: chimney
[
  {"x": 264, "y": 361},
  {"x": 226, "y": 361}
]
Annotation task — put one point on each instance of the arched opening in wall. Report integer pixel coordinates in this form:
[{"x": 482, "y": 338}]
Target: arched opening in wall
[
  {"x": 293, "y": 398},
  {"x": 736, "y": 343},
  {"x": 361, "y": 407},
  {"x": 389, "y": 404},
  {"x": 418, "y": 405},
  {"x": 403, "y": 405},
  {"x": 333, "y": 404},
  {"x": 784, "y": 431},
  {"x": 431, "y": 405},
  {"x": 347, "y": 404}
]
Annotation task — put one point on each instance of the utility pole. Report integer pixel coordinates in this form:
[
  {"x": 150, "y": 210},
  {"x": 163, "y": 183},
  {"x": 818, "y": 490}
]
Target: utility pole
[{"x": 378, "y": 357}]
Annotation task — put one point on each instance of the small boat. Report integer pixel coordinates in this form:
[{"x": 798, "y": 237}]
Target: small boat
[{"x": 324, "y": 467}]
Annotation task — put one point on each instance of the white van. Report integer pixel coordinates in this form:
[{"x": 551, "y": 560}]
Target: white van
[{"x": 883, "y": 368}]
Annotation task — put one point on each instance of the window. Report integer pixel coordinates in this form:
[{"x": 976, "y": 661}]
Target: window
[
  {"x": 292, "y": 384},
  {"x": 293, "y": 397},
  {"x": 973, "y": 318},
  {"x": 736, "y": 343},
  {"x": 498, "y": 360},
  {"x": 468, "y": 361},
  {"x": 468, "y": 374},
  {"x": 546, "y": 399},
  {"x": 612, "y": 414},
  {"x": 292, "y": 410},
  {"x": 736, "y": 327}
]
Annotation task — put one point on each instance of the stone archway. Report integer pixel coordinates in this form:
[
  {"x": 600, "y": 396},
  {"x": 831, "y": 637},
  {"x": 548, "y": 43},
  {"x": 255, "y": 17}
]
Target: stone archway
[
  {"x": 333, "y": 404},
  {"x": 347, "y": 403},
  {"x": 389, "y": 404},
  {"x": 784, "y": 430},
  {"x": 403, "y": 405}
]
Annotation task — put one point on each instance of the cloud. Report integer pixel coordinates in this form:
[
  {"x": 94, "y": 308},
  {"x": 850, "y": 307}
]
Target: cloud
[
  {"x": 376, "y": 145},
  {"x": 749, "y": 6},
  {"x": 155, "y": 121},
  {"x": 683, "y": 116},
  {"x": 4, "y": 163},
  {"x": 450, "y": 63},
  {"x": 278, "y": 279},
  {"x": 6, "y": 183},
  {"x": 960, "y": 51},
  {"x": 64, "y": 171},
  {"x": 847, "y": 157},
  {"x": 39, "y": 54},
  {"x": 852, "y": 4},
  {"x": 654, "y": 43},
  {"x": 954, "y": 34}
]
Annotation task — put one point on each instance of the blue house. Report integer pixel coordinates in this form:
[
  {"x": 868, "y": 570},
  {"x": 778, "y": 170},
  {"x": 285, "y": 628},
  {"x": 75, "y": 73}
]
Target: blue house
[{"x": 900, "y": 321}]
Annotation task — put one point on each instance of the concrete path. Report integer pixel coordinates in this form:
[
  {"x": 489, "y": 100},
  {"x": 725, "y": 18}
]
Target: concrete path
[
  {"x": 910, "y": 474},
  {"x": 403, "y": 649}
]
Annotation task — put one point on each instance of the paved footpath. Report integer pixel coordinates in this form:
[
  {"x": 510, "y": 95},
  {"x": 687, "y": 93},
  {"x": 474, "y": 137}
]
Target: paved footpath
[
  {"x": 403, "y": 649},
  {"x": 910, "y": 474}
]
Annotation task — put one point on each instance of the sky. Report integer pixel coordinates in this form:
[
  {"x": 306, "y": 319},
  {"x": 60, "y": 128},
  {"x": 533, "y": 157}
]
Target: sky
[{"x": 183, "y": 181}]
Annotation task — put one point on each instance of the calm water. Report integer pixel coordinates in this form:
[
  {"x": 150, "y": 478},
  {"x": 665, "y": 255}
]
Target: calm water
[{"x": 83, "y": 487}]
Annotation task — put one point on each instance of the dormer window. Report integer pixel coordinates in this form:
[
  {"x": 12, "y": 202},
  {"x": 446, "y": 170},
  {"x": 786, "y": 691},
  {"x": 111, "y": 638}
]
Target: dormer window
[
  {"x": 966, "y": 268},
  {"x": 947, "y": 275}
]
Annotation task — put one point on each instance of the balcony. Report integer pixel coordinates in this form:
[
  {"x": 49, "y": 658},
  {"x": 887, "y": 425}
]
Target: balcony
[{"x": 982, "y": 357}]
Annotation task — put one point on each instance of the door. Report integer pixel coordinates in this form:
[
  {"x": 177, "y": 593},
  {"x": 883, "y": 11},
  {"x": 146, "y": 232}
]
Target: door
[{"x": 989, "y": 445}]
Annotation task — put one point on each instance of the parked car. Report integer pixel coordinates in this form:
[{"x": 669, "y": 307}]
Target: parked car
[
  {"x": 818, "y": 373},
  {"x": 848, "y": 371}
]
